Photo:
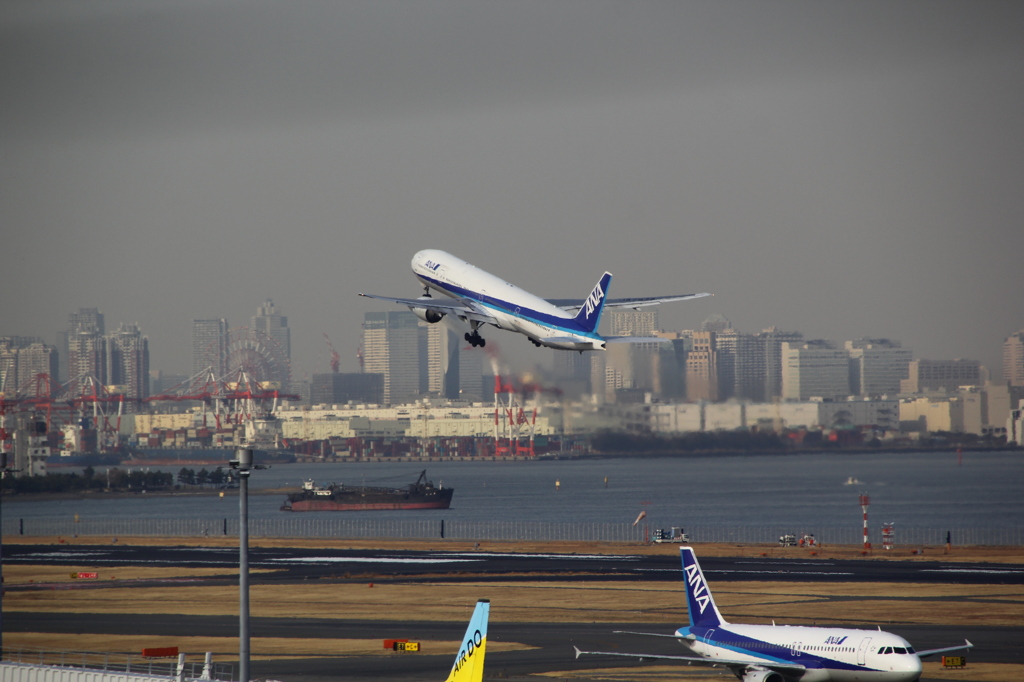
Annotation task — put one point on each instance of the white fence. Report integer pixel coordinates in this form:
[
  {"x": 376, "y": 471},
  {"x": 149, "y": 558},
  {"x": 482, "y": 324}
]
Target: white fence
[{"x": 350, "y": 527}]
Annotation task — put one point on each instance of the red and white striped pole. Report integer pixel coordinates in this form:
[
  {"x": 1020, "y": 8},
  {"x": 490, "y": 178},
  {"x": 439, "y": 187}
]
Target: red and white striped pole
[{"x": 864, "y": 502}]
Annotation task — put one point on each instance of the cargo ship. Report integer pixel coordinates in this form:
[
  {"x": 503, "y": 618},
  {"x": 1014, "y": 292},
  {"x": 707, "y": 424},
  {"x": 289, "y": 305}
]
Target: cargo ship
[{"x": 419, "y": 495}]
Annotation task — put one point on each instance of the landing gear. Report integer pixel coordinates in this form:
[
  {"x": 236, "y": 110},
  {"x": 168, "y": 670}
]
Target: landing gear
[
  {"x": 475, "y": 339},
  {"x": 536, "y": 343}
]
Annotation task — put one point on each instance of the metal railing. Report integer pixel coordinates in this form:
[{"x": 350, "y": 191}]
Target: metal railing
[
  {"x": 134, "y": 664},
  {"x": 349, "y": 527}
]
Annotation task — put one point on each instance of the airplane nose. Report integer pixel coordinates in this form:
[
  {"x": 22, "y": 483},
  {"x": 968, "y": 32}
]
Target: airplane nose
[{"x": 911, "y": 666}]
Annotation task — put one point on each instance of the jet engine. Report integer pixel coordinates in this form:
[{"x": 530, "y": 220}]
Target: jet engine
[
  {"x": 762, "y": 676},
  {"x": 431, "y": 315}
]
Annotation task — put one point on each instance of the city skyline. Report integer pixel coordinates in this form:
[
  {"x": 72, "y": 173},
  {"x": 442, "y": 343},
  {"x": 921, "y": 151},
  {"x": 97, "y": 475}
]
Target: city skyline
[{"x": 846, "y": 169}]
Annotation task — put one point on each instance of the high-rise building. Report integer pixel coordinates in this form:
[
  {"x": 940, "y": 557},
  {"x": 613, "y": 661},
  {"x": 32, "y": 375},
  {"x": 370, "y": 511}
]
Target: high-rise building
[
  {"x": 815, "y": 369},
  {"x": 773, "y": 368},
  {"x": 128, "y": 361},
  {"x": 633, "y": 322},
  {"x": 391, "y": 346},
  {"x": 741, "y": 365},
  {"x": 209, "y": 345},
  {"x": 268, "y": 321},
  {"x": 22, "y": 360},
  {"x": 442, "y": 361},
  {"x": 941, "y": 375},
  {"x": 702, "y": 368},
  {"x": 85, "y": 347},
  {"x": 877, "y": 366},
  {"x": 1013, "y": 359}
]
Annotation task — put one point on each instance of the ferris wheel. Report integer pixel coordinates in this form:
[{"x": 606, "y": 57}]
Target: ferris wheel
[{"x": 253, "y": 352}]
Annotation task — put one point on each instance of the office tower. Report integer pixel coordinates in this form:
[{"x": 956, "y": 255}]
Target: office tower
[
  {"x": 773, "y": 340},
  {"x": 702, "y": 368},
  {"x": 471, "y": 381},
  {"x": 269, "y": 322},
  {"x": 128, "y": 361},
  {"x": 633, "y": 322},
  {"x": 716, "y": 323},
  {"x": 209, "y": 346},
  {"x": 815, "y": 369},
  {"x": 741, "y": 365},
  {"x": 391, "y": 346},
  {"x": 572, "y": 371},
  {"x": 1013, "y": 359},
  {"x": 442, "y": 361},
  {"x": 877, "y": 366}
]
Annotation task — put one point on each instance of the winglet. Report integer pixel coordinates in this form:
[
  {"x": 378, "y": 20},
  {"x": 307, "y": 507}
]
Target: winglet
[
  {"x": 469, "y": 662},
  {"x": 590, "y": 312},
  {"x": 703, "y": 612}
]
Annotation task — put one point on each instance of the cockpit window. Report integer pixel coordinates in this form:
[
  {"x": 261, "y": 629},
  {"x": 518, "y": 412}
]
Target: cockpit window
[{"x": 899, "y": 650}]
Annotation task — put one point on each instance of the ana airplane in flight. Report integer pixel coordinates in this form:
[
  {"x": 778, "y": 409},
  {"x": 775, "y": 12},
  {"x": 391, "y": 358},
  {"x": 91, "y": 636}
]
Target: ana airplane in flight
[
  {"x": 469, "y": 662},
  {"x": 481, "y": 298},
  {"x": 774, "y": 653}
]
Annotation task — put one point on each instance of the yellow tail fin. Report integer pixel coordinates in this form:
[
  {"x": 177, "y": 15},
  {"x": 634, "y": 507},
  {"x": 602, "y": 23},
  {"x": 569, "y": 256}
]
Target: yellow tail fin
[{"x": 469, "y": 662}]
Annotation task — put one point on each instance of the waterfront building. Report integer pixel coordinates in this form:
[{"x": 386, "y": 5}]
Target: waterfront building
[
  {"x": 1013, "y": 359},
  {"x": 209, "y": 345},
  {"x": 941, "y": 375},
  {"x": 341, "y": 388},
  {"x": 815, "y": 369},
  {"x": 391, "y": 346},
  {"x": 927, "y": 414},
  {"x": 877, "y": 366},
  {"x": 84, "y": 347}
]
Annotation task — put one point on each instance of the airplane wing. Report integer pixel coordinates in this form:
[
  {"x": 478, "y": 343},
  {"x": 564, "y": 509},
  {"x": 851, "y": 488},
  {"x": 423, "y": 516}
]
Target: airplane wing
[
  {"x": 966, "y": 645},
  {"x": 456, "y": 307},
  {"x": 571, "y": 304},
  {"x": 635, "y": 339},
  {"x": 700, "y": 660}
]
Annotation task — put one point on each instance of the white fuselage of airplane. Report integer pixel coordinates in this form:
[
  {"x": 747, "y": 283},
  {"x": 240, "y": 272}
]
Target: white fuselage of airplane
[
  {"x": 511, "y": 308},
  {"x": 829, "y": 654}
]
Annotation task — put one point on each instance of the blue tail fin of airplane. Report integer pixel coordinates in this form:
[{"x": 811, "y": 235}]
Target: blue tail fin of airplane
[
  {"x": 703, "y": 612},
  {"x": 469, "y": 662},
  {"x": 590, "y": 312}
]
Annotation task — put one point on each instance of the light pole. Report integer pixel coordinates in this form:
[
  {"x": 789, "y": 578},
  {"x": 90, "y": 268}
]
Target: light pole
[{"x": 244, "y": 465}]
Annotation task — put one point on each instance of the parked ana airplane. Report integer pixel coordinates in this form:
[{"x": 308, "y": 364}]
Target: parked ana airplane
[
  {"x": 469, "y": 662},
  {"x": 773, "y": 653},
  {"x": 482, "y": 298}
]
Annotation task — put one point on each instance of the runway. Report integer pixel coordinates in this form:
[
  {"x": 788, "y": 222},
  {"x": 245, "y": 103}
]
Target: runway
[{"x": 551, "y": 643}]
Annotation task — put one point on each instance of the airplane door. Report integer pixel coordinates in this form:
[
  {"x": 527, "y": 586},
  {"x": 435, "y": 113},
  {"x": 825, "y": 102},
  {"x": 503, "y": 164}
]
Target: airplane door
[
  {"x": 709, "y": 637},
  {"x": 862, "y": 651}
]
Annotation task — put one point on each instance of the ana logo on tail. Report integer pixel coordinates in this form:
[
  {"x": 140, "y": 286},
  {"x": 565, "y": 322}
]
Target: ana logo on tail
[
  {"x": 698, "y": 588},
  {"x": 595, "y": 297},
  {"x": 469, "y": 662}
]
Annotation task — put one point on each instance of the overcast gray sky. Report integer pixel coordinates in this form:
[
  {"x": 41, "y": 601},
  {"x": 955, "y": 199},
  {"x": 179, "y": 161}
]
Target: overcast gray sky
[{"x": 843, "y": 169}]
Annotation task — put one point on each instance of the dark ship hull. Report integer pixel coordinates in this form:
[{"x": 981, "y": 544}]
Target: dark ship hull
[{"x": 419, "y": 495}]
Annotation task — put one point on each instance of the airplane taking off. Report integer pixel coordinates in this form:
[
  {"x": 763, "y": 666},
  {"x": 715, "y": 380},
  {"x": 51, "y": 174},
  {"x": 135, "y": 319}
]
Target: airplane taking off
[
  {"x": 774, "y": 653},
  {"x": 482, "y": 298},
  {"x": 469, "y": 662}
]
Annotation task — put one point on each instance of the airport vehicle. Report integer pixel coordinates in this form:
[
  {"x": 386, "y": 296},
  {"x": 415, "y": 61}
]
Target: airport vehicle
[
  {"x": 482, "y": 298},
  {"x": 421, "y": 494},
  {"x": 469, "y": 662},
  {"x": 783, "y": 653}
]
